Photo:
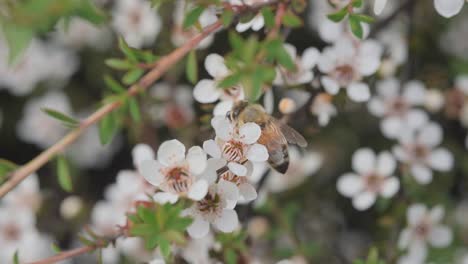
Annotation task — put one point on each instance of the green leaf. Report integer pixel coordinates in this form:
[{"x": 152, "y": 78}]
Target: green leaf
[
  {"x": 226, "y": 17},
  {"x": 55, "y": 248},
  {"x": 164, "y": 247},
  {"x": 16, "y": 257},
  {"x": 114, "y": 85},
  {"x": 127, "y": 51},
  {"x": 18, "y": 39},
  {"x": 65, "y": 119},
  {"x": 230, "y": 256},
  {"x": 276, "y": 49},
  {"x": 108, "y": 128},
  {"x": 230, "y": 80},
  {"x": 356, "y": 26},
  {"x": 291, "y": 20},
  {"x": 192, "y": 17},
  {"x": 134, "y": 109},
  {"x": 365, "y": 18},
  {"x": 268, "y": 16},
  {"x": 132, "y": 76},
  {"x": 6, "y": 167},
  {"x": 63, "y": 172},
  {"x": 338, "y": 16},
  {"x": 357, "y": 3},
  {"x": 235, "y": 40},
  {"x": 192, "y": 67},
  {"x": 89, "y": 11},
  {"x": 119, "y": 64}
]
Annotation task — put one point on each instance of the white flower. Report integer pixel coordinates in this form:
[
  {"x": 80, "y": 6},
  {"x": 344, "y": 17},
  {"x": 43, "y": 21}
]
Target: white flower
[
  {"x": 323, "y": 108},
  {"x": 374, "y": 178},
  {"x": 198, "y": 250},
  {"x": 434, "y": 100},
  {"x": 78, "y": 33},
  {"x": 379, "y": 6},
  {"x": 136, "y": 21},
  {"x": 175, "y": 172},
  {"x": 207, "y": 91},
  {"x": 397, "y": 108},
  {"x": 216, "y": 209},
  {"x": 39, "y": 128},
  {"x": 396, "y": 49},
  {"x": 26, "y": 195},
  {"x": 236, "y": 145},
  {"x": 424, "y": 228},
  {"x": 303, "y": 73},
  {"x": 418, "y": 149},
  {"x": 256, "y": 23},
  {"x": 328, "y": 30},
  {"x": 142, "y": 152},
  {"x": 181, "y": 36},
  {"x": 448, "y": 8},
  {"x": 452, "y": 40},
  {"x": 346, "y": 63},
  {"x": 71, "y": 206}
]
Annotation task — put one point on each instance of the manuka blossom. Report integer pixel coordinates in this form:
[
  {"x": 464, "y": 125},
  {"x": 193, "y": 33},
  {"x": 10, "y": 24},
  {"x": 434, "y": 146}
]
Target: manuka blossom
[
  {"x": 446, "y": 8},
  {"x": 346, "y": 63},
  {"x": 216, "y": 208},
  {"x": 424, "y": 227},
  {"x": 256, "y": 23},
  {"x": 304, "y": 64},
  {"x": 419, "y": 150},
  {"x": 323, "y": 108},
  {"x": 373, "y": 178},
  {"x": 207, "y": 91},
  {"x": 397, "y": 108},
  {"x": 175, "y": 172}
]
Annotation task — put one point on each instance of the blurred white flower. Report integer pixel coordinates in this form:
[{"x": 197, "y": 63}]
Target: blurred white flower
[
  {"x": 235, "y": 145},
  {"x": 346, "y": 63},
  {"x": 26, "y": 195},
  {"x": 452, "y": 40},
  {"x": 207, "y": 91},
  {"x": 323, "y": 108},
  {"x": 78, "y": 33},
  {"x": 140, "y": 153},
  {"x": 256, "y": 23},
  {"x": 328, "y": 30},
  {"x": 216, "y": 208},
  {"x": 448, "y": 8},
  {"x": 396, "y": 49},
  {"x": 424, "y": 227},
  {"x": 434, "y": 100},
  {"x": 136, "y": 21},
  {"x": 396, "y": 108},
  {"x": 36, "y": 126},
  {"x": 418, "y": 149},
  {"x": 304, "y": 64},
  {"x": 374, "y": 178},
  {"x": 379, "y": 6},
  {"x": 176, "y": 173},
  {"x": 71, "y": 206},
  {"x": 134, "y": 248},
  {"x": 197, "y": 251},
  {"x": 179, "y": 35}
]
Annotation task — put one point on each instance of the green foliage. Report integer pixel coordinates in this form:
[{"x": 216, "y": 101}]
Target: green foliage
[
  {"x": 355, "y": 20},
  {"x": 233, "y": 244},
  {"x": 63, "y": 174},
  {"x": 372, "y": 258},
  {"x": 356, "y": 26},
  {"x": 292, "y": 20},
  {"x": 108, "y": 127},
  {"x": 6, "y": 167},
  {"x": 192, "y": 16},
  {"x": 134, "y": 109},
  {"x": 268, "y": 16},
  {"x": 339, "y": 15},
  {"x": 159, "y": 225},
  {"x": 192, "y": 67},
  {"x": 65, "y": 119},
  {"x": 16, "y": 257},
  {"x": 226, "y": 17}
]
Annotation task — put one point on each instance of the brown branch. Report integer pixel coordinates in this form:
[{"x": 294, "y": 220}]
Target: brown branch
[{"x": 67, "y": 254}]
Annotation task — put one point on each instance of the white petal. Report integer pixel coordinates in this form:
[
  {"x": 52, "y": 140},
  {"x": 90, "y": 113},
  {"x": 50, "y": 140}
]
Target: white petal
[
  {"x": 228, "y": 190},
  {"x": 388, "y": 88},
  {"x": 241, "y": 27},
  {"x": 258, "y": 22},
  {"x": 291, "y": 50},
  {"x": 386, "y": 163},
  {"x": 437, "y": 214},
  {"x": 416, "y": 118},
  {"x": 237, "y": 169},
  {"x": 448, "y": 8},
  {"x": 331, "y": 86},
  {"x": 309, "y": 58},
  {"x": 415, "y": 214},
  {"x": 142, "y": 152},
  {"x": 376, "y": 107},
  {"x": 379, "y": 5},
  {"x": 418, "y": 250},
  {"x": 165, "y": 197},
  {"x": 228, "y": 221},
  {"x": 247, "y": 192},
  {"x": 440, "y": 236},
  {"x": 214, "y": 65},
  {"x": 257, "y": 153},
  {"x": 400, "y": 153},
  {"x": 196, "y": 158},
  {"x": 199, "y": 228},
  {"x": 414, "y": 92},
  {"x": 441, "y": 160},
  {"x": 364, "y": 201},
  {"x": 198, "y": 190},
  {"x": 391, "y": 127},
  {"x": 171, "y": 152},
  {"x": 206, "y": 91},
  {"x": 358, "y": 92},
  {"x": 421, "y": 173},
  {"x": 404, "y": 239},
  {"x": 212, "y": 149},
  {"x": 212, "y": 166},
  {"x": 349, "y": 184},
  {"x": 269, "y": 101},
  {"x": 250, "y": 133},
  {"x": 390, "y": 187},
  {"x": 151, "y": 171},
  {"x": 222, "y": 108},
  {"x": 223, "y": 128},
  {"x": 430, "y": 135},
  {"x": 363, "y": 161}
]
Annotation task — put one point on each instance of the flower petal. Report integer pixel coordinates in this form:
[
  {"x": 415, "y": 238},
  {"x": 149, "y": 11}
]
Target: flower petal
[
  {"x": 212, "y": 149},
  {"x": 379, "y": 5},
  {"x": 363, "y": 161},
  {"x": 237, "y": 169},
  {"x": 437, "y": 214},
  {"x": 441, "y": 160},
  {"x": 206, "y": 91},
  {"x": 358, "y": 92},
  {"x": 415, "y": 214},
  {"x": 364, "y": 200},
  {"x": 223, "y": 128},
  {"x": 386, "y": 163},
  {"x": 257, "y": 153},
  {"x": 331, "y": 86},
  {"x": 198, "y": 190},
  {"x": 414, "y": 92},
  {"x": 247, "y": 192},
  {"x": 440, "y": 236},
  {"x": 390, "y": 187},
  {"x": 196, "y": 158},
  {"x": 171, "y": 152},
  {"x": 142, "y": 152},
  {"x": 421, "y": 173},
  {"x": 222, "y": 108},
  {"x": 151, "y": 171},
  {"x": 199, "y": 228},
  {"x": 214, "y": 65},
  {"x": 165, "y": 197},
  {"x": 349, "y": 184},
  {"x": 404, "y": 239},
  {"x": 448, "y": 8},
  {"x": 250, "y": 133},
  {"x": 228, "y": 190},
  {"x": 310, "y": 58},
  {"x": 228, "y": 221},
  {"x": 430, "y": 135}
]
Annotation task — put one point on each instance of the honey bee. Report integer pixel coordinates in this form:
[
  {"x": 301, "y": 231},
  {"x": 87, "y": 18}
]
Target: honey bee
[{"x": 275, "y": 134}]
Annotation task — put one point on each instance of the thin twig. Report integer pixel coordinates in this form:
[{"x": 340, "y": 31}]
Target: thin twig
[{"x": 67, "y": 254}]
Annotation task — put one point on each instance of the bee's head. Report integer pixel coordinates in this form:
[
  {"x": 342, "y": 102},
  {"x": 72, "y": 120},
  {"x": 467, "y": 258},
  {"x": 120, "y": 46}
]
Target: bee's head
[{"x": 236, "y": 110}]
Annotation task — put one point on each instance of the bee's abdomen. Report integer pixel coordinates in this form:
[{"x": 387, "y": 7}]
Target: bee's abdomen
[{"x": 280, "y": 161}]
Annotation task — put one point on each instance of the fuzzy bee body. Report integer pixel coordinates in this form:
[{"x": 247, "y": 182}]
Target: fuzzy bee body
[{"x": 275, "y": 135}]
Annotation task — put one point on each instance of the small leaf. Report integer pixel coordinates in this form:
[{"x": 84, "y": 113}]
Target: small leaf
[
  {"x": 68, "y": 121},
  {"x": 192, "y": 67},
  {"x": 164, "y": 247},
  {"x": 226, "y": 17},
  {"x": 356, "y": 26},
  {"x": 16, "y": 257},
  {"x": 235, "y": 40},
  {"x": 338, "y": 16},
  {"x": 18, "y": 39},
  {"x": 134, "y": 109},
  {"x": 119, "y": 64},
  {"x": 276, "y": 48},
  {"x": 357, "y": 3},
  {"x": 291, "y": 20},
  {"x": 268, "y": 16},
  {"x": 127, "y": 51},
  {"x": 55, "y": 248},
  {"x": 230, "y": 80},
  {"x": 365, "y": 18},
  {"x": 107, "y": 128},
  {"x": 63, "y": 172},
  {"x": 192, "y": 17},
  {"x": 114, "y": 85},
  {"x": 132, "y": 76},
  {"x": 230, "y": 256}
]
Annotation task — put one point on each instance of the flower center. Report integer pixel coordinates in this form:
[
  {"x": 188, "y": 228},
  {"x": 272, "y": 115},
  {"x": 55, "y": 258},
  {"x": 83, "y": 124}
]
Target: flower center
[
  {"x": 344, "y": 74},
  {"x": 419, "y": 152},
  {"x": 374, "y": 182},
  {"x": 135, "y": 17},
  {"x": 398, "y": 107},
  {"x": 178, "y": 180},
  {"x": 231, "y": 177},
  {"x": 210, "y": 204},
  {"x": 175, "y": 116},
  {"x": 233, "y": 92},
  {"x": 422, "y": 229},
  {"x": 11, "y": 232},
  {"x": 233, "y": 150}
]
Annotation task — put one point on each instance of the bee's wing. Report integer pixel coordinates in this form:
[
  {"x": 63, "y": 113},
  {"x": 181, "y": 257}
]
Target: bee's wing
[
  {"x": 275, "y": 142},
  {"x": 291, "y": 135}
]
